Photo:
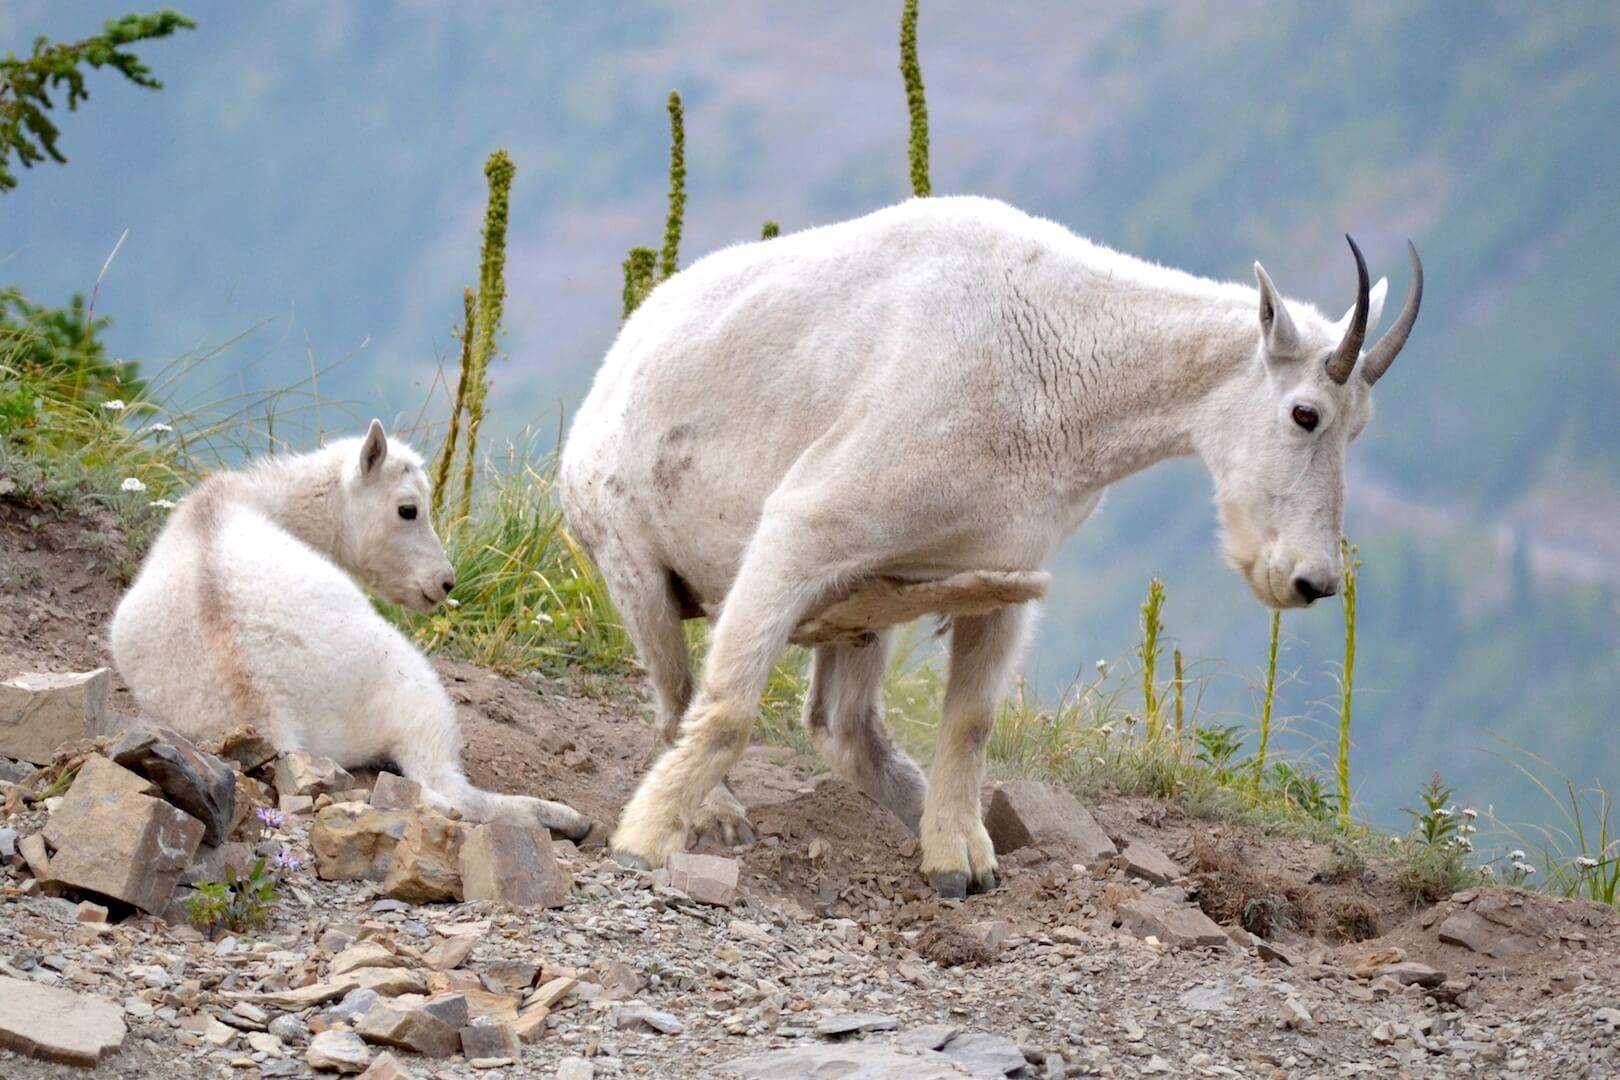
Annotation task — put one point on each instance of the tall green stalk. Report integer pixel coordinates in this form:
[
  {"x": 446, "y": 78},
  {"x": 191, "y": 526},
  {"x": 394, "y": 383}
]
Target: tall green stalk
[
  {"x": 1152, "y": 623},
  {"x": 1271, "y": 697},
  {"x": 916, "y": 103},
  {"x": 1351, "y": 565},
  {"x": 447, "y": 453},
  {"x": 1180, "y": 695},
  {"x": 677, "y": 187},
  {"x": 499, "y": 170}
]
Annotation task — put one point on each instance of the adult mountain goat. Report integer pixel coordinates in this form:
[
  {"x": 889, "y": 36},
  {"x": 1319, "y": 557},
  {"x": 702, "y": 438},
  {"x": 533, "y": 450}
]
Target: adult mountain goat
[
  {"x": 245, "y": 611},
  {"x": 943, "y": 386}
]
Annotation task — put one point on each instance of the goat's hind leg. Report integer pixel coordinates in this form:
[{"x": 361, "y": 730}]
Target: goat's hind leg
[
  {"x": 957, "y": 855},
  {"x": 843, "y": 713}
]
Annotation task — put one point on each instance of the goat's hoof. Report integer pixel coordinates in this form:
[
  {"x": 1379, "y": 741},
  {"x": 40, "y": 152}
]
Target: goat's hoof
[
  {"x": 984, "y": 884},
  {"x": 634, "y": 862},
  {"x": 951, "y": 884}
]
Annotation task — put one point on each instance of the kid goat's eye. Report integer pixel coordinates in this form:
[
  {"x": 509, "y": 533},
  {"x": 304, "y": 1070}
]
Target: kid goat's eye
[
  {"x": 409, "y": 512},
  {"x": 1304, "y": 416}
]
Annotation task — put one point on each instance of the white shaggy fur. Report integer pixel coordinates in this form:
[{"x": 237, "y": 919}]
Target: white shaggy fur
[
  {"x": 245, "y": 611},
  {"x": 942, "y": 386}
]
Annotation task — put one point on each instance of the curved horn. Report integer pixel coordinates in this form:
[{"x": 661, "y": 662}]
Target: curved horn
[
  {"x": 1383, "y": 354},
  {"x": 1343, "y": 359}
]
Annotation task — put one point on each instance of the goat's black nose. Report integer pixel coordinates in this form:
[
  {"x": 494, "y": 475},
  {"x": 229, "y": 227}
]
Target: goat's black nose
[
  {"x": 1310, "y": 591},
  {"x": 448, "y": 583}
]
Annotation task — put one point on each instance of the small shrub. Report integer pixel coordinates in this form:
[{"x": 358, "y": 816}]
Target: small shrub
[{"x": 237, "y": 903}]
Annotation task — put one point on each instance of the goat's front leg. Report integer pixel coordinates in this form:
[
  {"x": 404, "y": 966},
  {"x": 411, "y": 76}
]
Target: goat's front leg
[
  {"x": 779, "y": 582},
  {"x": 957, "y": 856}
]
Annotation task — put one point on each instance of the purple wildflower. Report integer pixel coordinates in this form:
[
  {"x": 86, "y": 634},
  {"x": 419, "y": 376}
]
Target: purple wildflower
[
  {"x": 286, "y": 862},
  {"x": 271, "y": 816}
]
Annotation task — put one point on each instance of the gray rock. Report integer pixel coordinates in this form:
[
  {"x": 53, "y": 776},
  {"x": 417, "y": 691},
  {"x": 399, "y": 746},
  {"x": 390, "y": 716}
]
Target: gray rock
[
  {"x": 1025, "y": 812},
  {"x": 1179, "y": 926},
  {"x": 416, "y": 1030},
  {"x": 14, "y": 772},
  {"x": 355, "y": 1003},
  {"x": 632, "y": 1016},
  {"x": 488, "y": 1044},
  {"x": 8, "y": 843},
  {"x": 1207, "y": 998},
  {"x": 512, "y": 864},
  {"x": 983, "y": 1055},
  {"x": 575, "y": 1068},
  {"x": 708, "y": 879},
  {"x": 58, "y": 1025},
  {"x": 845, "y": 1061},
  {"x": 927, "y": 1037},
  {"x": 303, "y": 773},
  {"x": 202, "y": 785},
  {"x": 289, "y": 1029},
  {"x": 833, "y": 1024},
  {"x": 395, "y": 792},
  {"x": 1494, "y": 930},
  {"x": 451, "y": 1008}
]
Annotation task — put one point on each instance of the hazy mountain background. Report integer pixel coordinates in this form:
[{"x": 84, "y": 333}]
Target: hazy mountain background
[{"x": 313, "y": 173}]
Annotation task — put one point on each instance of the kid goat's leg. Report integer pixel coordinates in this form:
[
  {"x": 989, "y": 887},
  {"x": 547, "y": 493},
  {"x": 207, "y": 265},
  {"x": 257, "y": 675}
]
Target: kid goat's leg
[
  {"x": 779, "y": 582},
  {"x": 957, "y": 856},
  {"x": 844, "y": 714}
]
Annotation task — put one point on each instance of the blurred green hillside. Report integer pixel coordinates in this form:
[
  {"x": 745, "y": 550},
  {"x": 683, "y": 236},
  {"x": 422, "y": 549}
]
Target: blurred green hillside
[{"x": 317, "y": 165}]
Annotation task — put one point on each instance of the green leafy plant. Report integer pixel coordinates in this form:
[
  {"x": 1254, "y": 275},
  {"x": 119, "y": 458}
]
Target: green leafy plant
[
  {"x": 237, "y": 903},
  {"x": 1217, "y": 747},
  {"x": 1435, "y": 823},
  {"x": 1302, "y": 790},
  {"x": 770, "y": 231},
  {"x": 26, "y": 84}
]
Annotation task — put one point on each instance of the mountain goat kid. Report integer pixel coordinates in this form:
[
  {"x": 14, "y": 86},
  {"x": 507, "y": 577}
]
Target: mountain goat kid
[
  {"x": 944, "y": 386},
  {"x": 245, "y": 611}
]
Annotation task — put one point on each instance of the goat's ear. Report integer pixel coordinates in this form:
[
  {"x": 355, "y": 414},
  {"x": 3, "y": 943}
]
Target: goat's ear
[
  {"x": 1375, "y": 309},
  {"x": 1276, "y": 325},
  {"x": 373, "y": 452}
]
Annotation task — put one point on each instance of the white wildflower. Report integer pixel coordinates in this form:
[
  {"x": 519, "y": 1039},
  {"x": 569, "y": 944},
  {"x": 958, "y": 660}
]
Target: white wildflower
[
  {"x": 1586, "y": 862},
  {"x": 1130, "y": 720},
  {"x": 1106, "y": 729},
  {"x": 1465, "y": 843},
  {"x": 159, "y": 428},
  {"x": 542, "y": 619},
  {"x": 1441, "y": 812},
  {"x": 132, "y": 484},
  {"x": 162, "y": 504},
  {"x": 1487, "y": 871},
  {"x": 451, "y": 602},
  {"x": 115, "y": 405},
  {"x": 1524, "y": 868},
  {"x": 1516, "y": 855},
  {"x": 1470, "y": 813},
  {"x": 1102, "y": 667}
]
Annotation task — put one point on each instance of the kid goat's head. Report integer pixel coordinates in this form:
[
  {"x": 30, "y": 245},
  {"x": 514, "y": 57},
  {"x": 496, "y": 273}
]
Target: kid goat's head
[
  {"x": 389, "y": 533},
  {"x": 1278, "y": 461}
]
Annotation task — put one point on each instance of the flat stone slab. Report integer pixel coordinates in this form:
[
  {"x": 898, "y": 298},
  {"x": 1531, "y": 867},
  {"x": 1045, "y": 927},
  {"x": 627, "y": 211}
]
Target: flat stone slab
[
  {"x": 53, "y": 1024},
  {"x": 868, "y": 1060},
  {"x": 885, "y": 602}
]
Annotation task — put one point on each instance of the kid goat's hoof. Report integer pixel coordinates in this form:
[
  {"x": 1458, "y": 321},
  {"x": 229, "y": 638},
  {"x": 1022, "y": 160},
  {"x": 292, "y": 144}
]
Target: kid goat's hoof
[{"x": 956, "y": 885}]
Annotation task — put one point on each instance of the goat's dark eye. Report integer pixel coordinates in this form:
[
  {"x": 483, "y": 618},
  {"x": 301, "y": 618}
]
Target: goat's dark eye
[
  {"x": 1305, "y": 417},
  {"x": 409, "y": 512}
]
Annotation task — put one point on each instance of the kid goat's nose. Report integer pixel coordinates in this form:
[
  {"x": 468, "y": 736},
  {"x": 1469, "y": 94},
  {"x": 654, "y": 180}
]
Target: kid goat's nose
[
  {"x": 449, "y": 583},
  {"x": 1311, "y": 591}
]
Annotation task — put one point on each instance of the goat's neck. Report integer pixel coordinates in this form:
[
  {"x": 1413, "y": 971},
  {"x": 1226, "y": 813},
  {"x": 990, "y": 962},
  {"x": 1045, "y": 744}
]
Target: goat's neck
[
  {"x": 1155, "y": 378},
  {"x": 304, "y": 501}
]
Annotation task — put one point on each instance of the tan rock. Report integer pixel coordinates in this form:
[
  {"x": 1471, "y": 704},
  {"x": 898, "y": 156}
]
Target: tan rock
[
  {"x": 481, "y": 1004},
  {"x": 1366, "y": 966},
  {"x": 302, "y": 773},
  {"x": 452, "y": 982},
  {"x": 389, "y": 982},
  {"x": 87, "y": 912},
  {"x": 1026, "y": 812},
  {"x": 550, "y": 992},
  {"x": 365, "y": 954},
  {"x": 96, "y": 786},
  {"x": 251, "y": 796},
  {"x": 245, "y": 746},
  {"x": 130, "y": 847},
  {"x": 449, "y": 953},
  {"x": 708, "y": 879},
  {"x": 531, "y": 1023},
  {"x": 514, "y": 865},
  {"x": 39, "y": 713},
  {"x": 427, "y": 860},
  {"x": 53, "y": 1024},
  {"x": 353, "y": 840},
  {"x": 416, "y": 1030},
  {"x": 302, "y": 997},
  {"x": 199, "y": 783},
  {"x": 32, "y": 849},
  {"x": 395, "y": 792},
  {"x": 387, "y": 1067},
  {"x": 1149, "y": 863},
  {"x": 338, "y": 1051}
]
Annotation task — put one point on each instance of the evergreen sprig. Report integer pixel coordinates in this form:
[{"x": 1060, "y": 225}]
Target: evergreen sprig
[{"x": 26, "y": 84}]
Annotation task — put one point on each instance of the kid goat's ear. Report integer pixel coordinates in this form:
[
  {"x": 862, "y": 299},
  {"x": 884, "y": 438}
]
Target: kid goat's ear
[
  {"x": 374, "y": 451},
  {"x": 1276, "y": 326}
]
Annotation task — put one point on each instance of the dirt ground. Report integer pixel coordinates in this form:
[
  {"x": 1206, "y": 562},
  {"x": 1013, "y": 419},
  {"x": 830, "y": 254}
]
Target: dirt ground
[{"x": 825, "y": 852}]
